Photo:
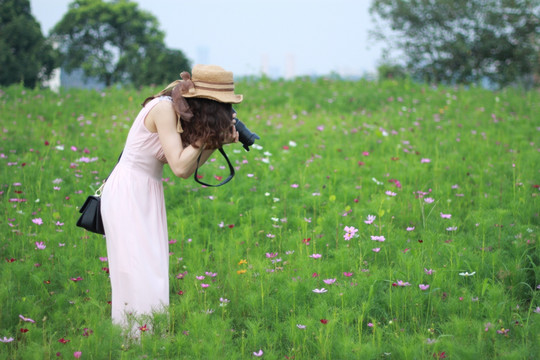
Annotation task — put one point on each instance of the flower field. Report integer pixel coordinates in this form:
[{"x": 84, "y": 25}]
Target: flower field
[{"x": 372, "y": 220}]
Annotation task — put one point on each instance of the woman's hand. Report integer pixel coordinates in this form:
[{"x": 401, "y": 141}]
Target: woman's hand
[{"x": 232, "y": 136}]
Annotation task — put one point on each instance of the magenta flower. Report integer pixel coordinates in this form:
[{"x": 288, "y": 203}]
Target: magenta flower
[
  {"x": 199, "y": 277},
  {"x": 271, "y": 255},
  {"x": 378, "y": 238},
  {"x": 315, "y": 256},
  {"x": 37, "y": 221},
  {"x": 402, "y": 283},
  {"x": 294, "y": 186},
  {"x": 428, "y": 272},
  {"x": 376, "y": 250},
  {"x": 40, "y": 245},
  {"x": 347, "y": 274},
  {"x": 425, "y": 161},
  {"x": 446, "y": 216},
  {"x": 77, "y": 354},
  {"x": 204, "y": 286},
  {"x": 103, "y": 259},
  {"x": 370, "y": 219},
  {"x": 423, "y": 287},
  {"x": 329, "y": 281}
]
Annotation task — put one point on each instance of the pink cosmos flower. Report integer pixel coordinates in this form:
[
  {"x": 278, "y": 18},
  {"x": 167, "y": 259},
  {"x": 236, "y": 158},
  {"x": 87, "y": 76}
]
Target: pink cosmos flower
[
  {"x": 329, "y": 281},
  {"x": 390, "y": 193},
  {"x": 378, "y": 238},
  {"x": 376, "y": 250},
  {"x": 271, "y": 255},
  {"x": 77, "y": 354},
  {"x": 429, "y": 200},
  {"x": 40, "y": 245},
  {"x": 7, "y": 340},
  {"x": 451, "y": 228},
  {"x": 26, "y": 319},
  {"x": 204, "y": 286},
  {"x": 211, "y": 274},
  {"x": 425, "y": 161},
  {"x": 350, "y": 229},
  {"x": 348, "y": 236},
  {"x": 103, "y": 259},
  {"x": 365, "y": 153},
  {"x": 348, "y": 274},
  {"x": 294, "y": 186},
  {"x": 423, "y": 287},
  {"x": 446, "y": 216},
  {"x": 428, "y": 272},
  {"x": 258, "y": 353},
  {"x": 199, "y": 277},
  {"x": 315, "y": 256},
  {"x": 370, "y": 219},
  {"x": 403, "y": 283},
  {"x": 300, "y": 326},
  {"x": 410, "y": 228},
  {"x": 37, "y": 221}
]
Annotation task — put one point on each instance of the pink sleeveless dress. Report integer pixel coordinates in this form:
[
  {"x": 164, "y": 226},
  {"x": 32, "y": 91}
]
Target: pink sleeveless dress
[{"x": 135, "y": 222}]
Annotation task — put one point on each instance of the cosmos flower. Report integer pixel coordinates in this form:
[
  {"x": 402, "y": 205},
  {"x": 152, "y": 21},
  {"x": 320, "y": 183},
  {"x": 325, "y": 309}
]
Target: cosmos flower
[
  {"x": 315, "y": 256},
  {"x": 423, "y": 287},
  {"x": 446, "y": 216},
  {"x": 329, "y": 281},
  {"x": 467, "y": 274},
  {"x": 40, "y": 245},
  {"x": 258, "y": 353},
  {"x": 6, "y": 340},
  {"x": 370, "y": 219},
  {"x": 378, "y": 238},
  {"x": 37, "y": 221},
  {"x": 26, "y": 319},
  {"x": 320, "y": 291},
  {"x": 300, "y": 326}
]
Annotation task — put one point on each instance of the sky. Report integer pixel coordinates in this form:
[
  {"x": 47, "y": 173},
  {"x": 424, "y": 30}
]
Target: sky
[{"x": 279, "y": 38}]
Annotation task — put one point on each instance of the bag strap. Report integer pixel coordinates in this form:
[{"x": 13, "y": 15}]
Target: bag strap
[
  {"x": 231, "y": 170},
  {"x": 98, "y": 191}
]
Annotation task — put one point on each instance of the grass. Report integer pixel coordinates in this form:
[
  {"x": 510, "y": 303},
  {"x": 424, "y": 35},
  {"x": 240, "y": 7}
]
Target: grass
[{"x": 450, "y": 174}]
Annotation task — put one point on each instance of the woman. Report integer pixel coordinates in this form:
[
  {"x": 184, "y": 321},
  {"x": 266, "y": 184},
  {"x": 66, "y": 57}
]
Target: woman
[{"x": 188, "y": 117}]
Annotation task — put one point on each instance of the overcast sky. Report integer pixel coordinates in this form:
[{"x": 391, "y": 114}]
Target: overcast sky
[{"x": 281, "y": 38}]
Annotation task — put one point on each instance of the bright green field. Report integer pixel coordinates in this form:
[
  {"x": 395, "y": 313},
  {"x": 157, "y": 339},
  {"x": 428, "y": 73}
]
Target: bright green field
[{"x": 451, "y": 175}]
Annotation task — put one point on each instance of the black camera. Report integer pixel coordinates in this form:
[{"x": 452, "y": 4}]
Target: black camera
[{"x": 245, "y": 136}]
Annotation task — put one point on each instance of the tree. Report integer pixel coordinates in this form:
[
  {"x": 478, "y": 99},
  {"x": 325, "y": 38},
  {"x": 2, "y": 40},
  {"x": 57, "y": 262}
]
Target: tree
[
  {"x": 25, "y": 54},
  {"x": 464, "y": 41},
  {"x": 116, "y": 42}
]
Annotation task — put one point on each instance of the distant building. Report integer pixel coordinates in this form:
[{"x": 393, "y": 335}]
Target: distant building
[{"x": 75, "y": 79}]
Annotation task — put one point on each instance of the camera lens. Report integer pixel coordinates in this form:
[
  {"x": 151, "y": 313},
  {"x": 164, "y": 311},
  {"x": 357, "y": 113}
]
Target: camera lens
[{"x": 245, "y": 136}]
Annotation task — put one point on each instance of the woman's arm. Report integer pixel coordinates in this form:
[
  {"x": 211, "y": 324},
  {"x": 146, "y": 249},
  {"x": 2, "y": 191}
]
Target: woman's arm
[{"x": 182, "y": 160}]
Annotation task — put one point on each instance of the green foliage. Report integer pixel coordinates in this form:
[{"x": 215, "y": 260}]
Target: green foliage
[
  {"x": 462, "y": 41},
  {"x": 333, "y": 152},
  {"x": 25, "y": 55},
  {"x": 116, "y": 42}
]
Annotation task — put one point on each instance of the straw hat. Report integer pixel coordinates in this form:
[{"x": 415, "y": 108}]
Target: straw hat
[{"x": 212, "y": 82}]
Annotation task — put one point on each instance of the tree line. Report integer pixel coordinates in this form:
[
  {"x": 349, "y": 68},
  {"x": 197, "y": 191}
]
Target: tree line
[
  {"x": 449, "y": 41},
  {"x": 113, "y": 41}
]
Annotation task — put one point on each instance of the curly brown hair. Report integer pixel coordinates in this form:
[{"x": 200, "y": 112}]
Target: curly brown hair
[{"x": 210, "y": 122}]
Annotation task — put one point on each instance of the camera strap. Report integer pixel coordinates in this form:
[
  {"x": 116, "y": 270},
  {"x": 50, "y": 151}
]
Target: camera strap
[{"x": 231, "y": 170}]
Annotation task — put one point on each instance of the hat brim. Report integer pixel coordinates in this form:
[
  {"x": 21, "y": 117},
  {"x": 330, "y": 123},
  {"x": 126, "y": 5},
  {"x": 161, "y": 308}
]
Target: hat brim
[{"x": 227, "y": 98}]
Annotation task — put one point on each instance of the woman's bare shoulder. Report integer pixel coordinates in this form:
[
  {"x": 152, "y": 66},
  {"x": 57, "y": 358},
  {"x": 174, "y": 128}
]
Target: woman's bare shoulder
[{"x": 162, "y": 113}]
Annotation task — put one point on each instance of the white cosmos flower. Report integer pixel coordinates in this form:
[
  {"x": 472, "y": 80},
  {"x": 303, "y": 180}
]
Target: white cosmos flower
[{"x": 467, "y": 274}]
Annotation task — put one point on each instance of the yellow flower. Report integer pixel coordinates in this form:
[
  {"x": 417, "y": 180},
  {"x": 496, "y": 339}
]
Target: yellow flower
[
  {"x": 242, "y": 262},
  {"x": 241, "y": 271}
]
